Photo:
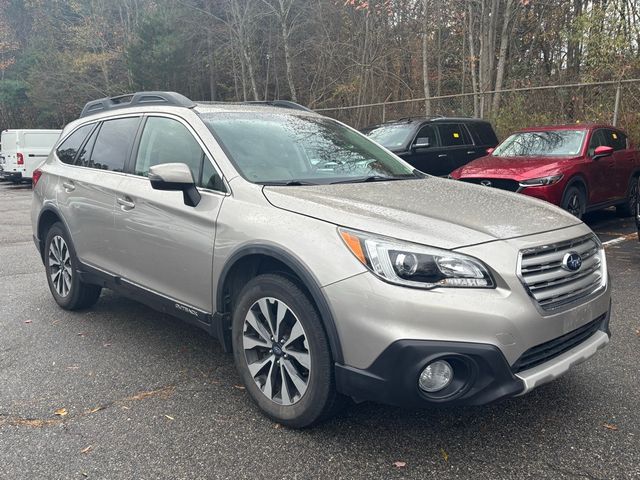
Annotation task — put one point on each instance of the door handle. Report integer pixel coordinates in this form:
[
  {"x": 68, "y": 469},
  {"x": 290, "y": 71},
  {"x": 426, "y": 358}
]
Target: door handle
[
  {"x": 442, "y": 155},
  {"x": 68, "y": 186},
  {"x": 470, "y": 152},
  {"x": 125, "y": 203}
]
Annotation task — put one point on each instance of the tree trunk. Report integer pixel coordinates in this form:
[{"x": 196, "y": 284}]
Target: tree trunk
[
  {"x": 502, "y": 56},
  {"x": 425, "y": 62}
]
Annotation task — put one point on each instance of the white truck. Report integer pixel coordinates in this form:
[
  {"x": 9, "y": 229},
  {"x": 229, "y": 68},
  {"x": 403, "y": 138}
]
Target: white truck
[{"x": 23, "y": 151}]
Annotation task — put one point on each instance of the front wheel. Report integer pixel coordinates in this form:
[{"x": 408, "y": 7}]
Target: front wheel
[
  {"x": 282, "y": 353},
  {"x": 628, "y": 208},
  {"x": 574, "y": 201},
  {"x": 61, "y": 266}
]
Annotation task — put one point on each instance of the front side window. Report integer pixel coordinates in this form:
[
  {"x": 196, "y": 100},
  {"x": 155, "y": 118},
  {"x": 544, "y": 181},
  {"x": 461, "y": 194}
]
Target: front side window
[
  {"x": 453, "y": 135},
  {"x": 548, "y": 143},
  {"x": 68, "y": 150},
  {"x": 598, "y": 139},
  {"x": 113, "y": 144},
  {"x": 285, "y": 148},
  {"x": 427, "y": 136},
  {"x": 165, "y": 140}
]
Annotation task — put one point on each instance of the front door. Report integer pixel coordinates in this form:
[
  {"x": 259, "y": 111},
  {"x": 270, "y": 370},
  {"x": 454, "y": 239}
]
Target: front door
[
  {"x": 460, "y": 148},
  {"x": 426, "y": 154},
  {"x": 166, "y": 246}
]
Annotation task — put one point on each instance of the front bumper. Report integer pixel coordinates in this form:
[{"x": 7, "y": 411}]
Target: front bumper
[{"x": 484, "y": 375}]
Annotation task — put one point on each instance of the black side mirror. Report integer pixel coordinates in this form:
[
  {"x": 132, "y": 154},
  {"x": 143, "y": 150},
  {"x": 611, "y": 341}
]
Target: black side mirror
[{"x": 175, "y": 177}]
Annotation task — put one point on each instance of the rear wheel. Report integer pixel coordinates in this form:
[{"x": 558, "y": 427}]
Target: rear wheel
[
  {"x": 282, "y": 353},
  {"x": 574, "y": 201},
  {"x": 628, "y": 208},
  {"x": 61, "y": 265}
]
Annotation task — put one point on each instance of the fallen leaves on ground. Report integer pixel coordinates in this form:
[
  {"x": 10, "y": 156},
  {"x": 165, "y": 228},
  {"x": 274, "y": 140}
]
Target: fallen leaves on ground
[
  {"x": 94, "y": 410},
  {"x": 399, "y": 464},
  {"x": 61, "y": 412},
  {"x": 444, "y": 454},
  {"x": 638, "y": 332},
  {"x": 170, "y": 417},
  {"x": 161, "y": 392},
  {"x": 87, "y": 450},
  {"x": 28, "y": 321},
  {"x": 609, "y": 426},
  {"x": 239, "y": 387}
]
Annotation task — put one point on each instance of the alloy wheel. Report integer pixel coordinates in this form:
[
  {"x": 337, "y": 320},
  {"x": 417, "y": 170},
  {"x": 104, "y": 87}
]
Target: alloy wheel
[
  {"x": 276, "y": 351},
  {"x": 60, "y": 270},
  {"x": 574, "y": 206}
]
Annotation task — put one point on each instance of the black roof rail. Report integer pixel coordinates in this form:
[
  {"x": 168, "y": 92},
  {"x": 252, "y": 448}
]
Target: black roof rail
[{"x": 136, "y": 99}]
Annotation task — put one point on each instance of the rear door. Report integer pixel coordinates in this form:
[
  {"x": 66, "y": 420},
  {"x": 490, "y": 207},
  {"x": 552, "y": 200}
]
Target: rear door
[
  {"x": 483, "y": 138},
  {"x": 623, "y": 159},
  {"x": 36, "y": 147},
  {"x": 86, "y": 192},
  {"x": 166, "y": 246},
  {"x": 600, "y": 172},
  {"x": 456, "y": 141}
]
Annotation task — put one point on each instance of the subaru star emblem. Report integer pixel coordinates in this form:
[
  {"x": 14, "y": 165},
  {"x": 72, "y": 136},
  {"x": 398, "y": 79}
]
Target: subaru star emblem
[
  {"x": 572, "y": 262},
  {"x": 485, "y": 183}
]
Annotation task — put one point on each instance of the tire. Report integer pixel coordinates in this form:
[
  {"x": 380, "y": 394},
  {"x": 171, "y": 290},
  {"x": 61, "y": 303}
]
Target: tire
[
  {"x": 300, "y": 401},
  {"x": 574, "y": 201},
  {"x": 628, "y": 208},
  {"x": 64, "y": 282}
]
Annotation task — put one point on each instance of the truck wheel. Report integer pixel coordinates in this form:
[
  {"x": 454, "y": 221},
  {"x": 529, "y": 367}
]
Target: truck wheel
[
  {"x": 282, "y": 353},
  {"x": 628, "y": 208},
  {"x": 61, "y": 265},
  {"x": 574, "y": 201}
]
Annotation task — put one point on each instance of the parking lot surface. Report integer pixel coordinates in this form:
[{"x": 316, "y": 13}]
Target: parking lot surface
[{"x": 120, "y": 391}]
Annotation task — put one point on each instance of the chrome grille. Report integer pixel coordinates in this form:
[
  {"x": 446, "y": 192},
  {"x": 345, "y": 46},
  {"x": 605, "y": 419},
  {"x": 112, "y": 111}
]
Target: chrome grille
[{"x": 550, "y": 283}]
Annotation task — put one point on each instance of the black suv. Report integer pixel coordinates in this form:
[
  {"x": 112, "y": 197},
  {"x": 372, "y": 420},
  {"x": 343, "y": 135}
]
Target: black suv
[{"x": 435, "y": 145}]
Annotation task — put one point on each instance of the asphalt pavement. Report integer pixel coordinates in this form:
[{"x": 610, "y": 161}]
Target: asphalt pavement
[{"x": 123, "y": 392}]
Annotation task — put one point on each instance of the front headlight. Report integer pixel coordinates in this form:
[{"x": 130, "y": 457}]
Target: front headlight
[
  {"x": 415, "y": 265},
  {"x": 538, "y": 182}
]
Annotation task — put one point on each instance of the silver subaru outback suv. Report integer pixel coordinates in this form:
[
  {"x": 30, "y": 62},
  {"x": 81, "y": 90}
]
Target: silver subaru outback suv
[{"x": 327, "y": 265}]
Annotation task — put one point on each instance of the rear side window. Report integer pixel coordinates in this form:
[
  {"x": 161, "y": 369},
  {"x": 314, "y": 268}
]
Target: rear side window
[
  {"x": 85, "y": 152},
  {"x": 483, "y": 133},
  {"x": 617, "y": 140},
  {"x": 453, "y": 134},
  {"x": 113, "y": 144},
  {"x": 68, "y": 150}
]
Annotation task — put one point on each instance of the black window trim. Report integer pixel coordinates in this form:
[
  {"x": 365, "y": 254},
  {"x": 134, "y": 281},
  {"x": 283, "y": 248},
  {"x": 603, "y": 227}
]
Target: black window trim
[
  {"x": 130, "y": 164},
  {"x": 420, "y": 127}
]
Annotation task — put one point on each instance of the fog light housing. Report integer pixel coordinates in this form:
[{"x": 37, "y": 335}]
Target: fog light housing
[{"x": 436, "y": 376}]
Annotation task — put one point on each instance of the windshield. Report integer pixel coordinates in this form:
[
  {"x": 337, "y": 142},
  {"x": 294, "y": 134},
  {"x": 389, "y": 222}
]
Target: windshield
[
  {"x": 300, "y": 149},
  {"x": 553, "y": 143},
  {"x": 391, "y": 136}
]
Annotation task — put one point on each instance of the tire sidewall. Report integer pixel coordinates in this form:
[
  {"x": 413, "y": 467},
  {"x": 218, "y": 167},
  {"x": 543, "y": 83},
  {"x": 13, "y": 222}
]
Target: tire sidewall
[
  {"x": 567, "y": 196},
  {"x": 312, "y": 405},
  {"x": 57, "y": 229}
]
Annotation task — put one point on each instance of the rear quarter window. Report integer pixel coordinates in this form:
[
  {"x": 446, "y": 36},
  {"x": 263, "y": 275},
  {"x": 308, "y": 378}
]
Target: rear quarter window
[
  {"x": 483, "y": 133},
  {"x": 113, "y": 144},
  {"x": 68, "y": 149}
]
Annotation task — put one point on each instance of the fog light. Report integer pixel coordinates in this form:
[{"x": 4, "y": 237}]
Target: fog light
[{"x": 436, "y": 376}]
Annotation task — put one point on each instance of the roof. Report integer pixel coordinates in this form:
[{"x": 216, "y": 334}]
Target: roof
[
  {"x": 173, "y": 99},
  {"x": 434, "y": 119}
]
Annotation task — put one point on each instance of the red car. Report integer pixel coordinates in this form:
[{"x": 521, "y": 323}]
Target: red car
[{"x": 577, "y": 167}]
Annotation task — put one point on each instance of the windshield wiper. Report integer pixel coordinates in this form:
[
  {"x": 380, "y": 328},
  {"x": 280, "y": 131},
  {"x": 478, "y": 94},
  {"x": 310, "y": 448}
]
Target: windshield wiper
[
  {"x": 287, "y": 183},
  {"x": 374, "y": 178}
]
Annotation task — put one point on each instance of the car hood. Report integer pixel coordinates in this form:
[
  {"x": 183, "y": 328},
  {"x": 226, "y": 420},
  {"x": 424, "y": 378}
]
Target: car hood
[
  {"x": 517, "y": 168},
  {"x": 432, "y": 211}
]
